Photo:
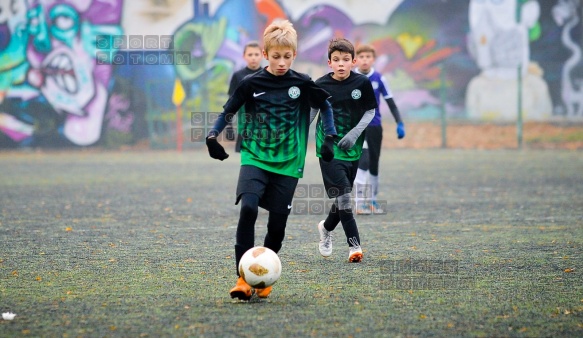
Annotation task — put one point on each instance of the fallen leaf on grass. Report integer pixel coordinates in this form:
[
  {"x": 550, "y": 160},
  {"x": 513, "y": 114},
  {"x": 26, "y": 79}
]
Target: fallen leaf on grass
[
  {"x": 67, "y": 229},
  {"x": 8, "y": 315},
  {"x": 569, "y": 270}
]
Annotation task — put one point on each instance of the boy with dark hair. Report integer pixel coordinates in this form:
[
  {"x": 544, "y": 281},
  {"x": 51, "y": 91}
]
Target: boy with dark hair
[
  {"x": 353, "y": 104},
  {"x": 369, "y": 162},
  {"x": 252, "y": 56},
  {"x": 277, "y": 103}
]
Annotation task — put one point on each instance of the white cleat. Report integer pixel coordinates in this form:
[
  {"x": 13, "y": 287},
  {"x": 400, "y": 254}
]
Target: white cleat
[{"x": 325, "y": 240}]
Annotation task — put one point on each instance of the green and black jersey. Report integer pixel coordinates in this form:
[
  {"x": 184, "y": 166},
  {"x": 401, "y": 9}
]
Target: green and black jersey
[
  {"x": 274, "y": 127},
  {"x": 351, "y": 98}
]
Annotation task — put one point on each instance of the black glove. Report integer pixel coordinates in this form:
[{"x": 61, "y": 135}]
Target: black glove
[
  {"x": 215, "y": 149},
  {"x": 327, "y": 149}
]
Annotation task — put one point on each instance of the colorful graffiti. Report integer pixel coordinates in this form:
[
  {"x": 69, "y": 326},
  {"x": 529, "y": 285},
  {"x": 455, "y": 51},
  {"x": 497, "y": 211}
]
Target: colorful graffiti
[
  {"x": 566, "y": 15},
  {"x": 55, "y": 91},
  {"x": 500, "y": 43}
]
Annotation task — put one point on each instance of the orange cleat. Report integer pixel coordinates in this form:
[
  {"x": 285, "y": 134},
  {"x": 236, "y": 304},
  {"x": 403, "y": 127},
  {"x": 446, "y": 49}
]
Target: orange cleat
[
  {"x": 242, "y": 290},
  {"x": 263, "y": 293},
  {"x": 355, "y": 255}
]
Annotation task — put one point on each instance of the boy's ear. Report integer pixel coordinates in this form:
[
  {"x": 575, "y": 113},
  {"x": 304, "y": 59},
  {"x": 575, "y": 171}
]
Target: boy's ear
[{"x": 265, "y": 54}]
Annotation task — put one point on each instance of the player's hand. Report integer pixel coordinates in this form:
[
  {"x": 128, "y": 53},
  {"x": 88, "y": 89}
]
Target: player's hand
[
  {"x": 327, "y": 149},
  {"x": 348, "y": 140},
  {"x": 215, "y": 149},
  {"x": 230, "y": 133},
  {"x": 400, "y": 130}
]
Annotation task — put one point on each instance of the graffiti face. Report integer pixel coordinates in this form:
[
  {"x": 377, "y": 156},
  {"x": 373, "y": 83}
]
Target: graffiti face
[
  {"x": 65, "y": 74},
  {"x": 13, "y": 53},
  {"x": 64, "y": 69}
]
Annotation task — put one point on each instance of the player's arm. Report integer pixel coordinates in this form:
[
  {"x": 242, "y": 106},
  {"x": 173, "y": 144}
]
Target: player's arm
[
  {"x": 395, "y": 111},
  {"x": 235, "y": 79},
  {"x": 230, "y": 109},
  {"x": 327, "y": 117},
  {"x": 216, "y": 150},
  {"x": 313, "y": 113},
  {"x": 220, "y": 124},
  {"x": 350, "y": 138},
  {"x": 392, "y": 107}
]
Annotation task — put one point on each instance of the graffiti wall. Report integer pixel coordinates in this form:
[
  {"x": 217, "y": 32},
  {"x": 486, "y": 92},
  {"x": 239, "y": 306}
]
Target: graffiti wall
[{"x": 77, "y": 73}]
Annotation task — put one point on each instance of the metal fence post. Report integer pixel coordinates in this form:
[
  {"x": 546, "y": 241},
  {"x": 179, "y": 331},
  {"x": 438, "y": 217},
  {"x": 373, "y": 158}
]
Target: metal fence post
[{"x": 443, "y": 99}]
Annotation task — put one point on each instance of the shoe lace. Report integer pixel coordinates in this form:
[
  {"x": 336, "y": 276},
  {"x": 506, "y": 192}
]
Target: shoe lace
[
  {"x": 354, "y": 245},
  {"x": 327, "y": 238}
]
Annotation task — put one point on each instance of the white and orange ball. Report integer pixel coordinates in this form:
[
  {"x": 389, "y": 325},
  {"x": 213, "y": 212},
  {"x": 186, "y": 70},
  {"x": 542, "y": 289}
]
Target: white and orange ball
[{"x": 260, "y": 267}]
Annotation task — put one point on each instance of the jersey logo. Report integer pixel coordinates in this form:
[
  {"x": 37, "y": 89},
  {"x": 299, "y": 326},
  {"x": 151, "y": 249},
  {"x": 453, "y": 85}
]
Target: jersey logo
[
  {"x": 294, "y": 92},
  {"x": 258, "y": 94},
  {"x": 356, "y": 94}
]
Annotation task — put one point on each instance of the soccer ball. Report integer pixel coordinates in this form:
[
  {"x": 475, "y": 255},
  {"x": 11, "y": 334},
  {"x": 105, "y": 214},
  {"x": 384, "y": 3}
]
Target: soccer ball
[{"x": 260, "y": 267}]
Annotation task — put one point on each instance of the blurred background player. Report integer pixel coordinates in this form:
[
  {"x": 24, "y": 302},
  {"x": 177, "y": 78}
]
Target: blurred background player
[
  {"x": 274, "y": 142},
  {"x": 252, "y": 56},
  {"x": 353, "y": 103},
  {"x": 367, "y": 177}
]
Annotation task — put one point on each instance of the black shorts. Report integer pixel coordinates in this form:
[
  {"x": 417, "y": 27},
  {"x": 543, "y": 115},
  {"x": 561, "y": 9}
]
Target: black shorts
[
  {"x": 275, "y": 191},
  {"x": 338, "y": 176}
]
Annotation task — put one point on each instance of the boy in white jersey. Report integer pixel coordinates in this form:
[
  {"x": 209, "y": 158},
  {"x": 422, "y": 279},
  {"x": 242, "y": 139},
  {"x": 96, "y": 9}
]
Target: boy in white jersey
[{"x": 368, "y": 169}]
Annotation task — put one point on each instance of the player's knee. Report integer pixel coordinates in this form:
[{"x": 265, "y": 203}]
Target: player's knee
[
  {"x": 249, "y": 205},
  {"x": 343, "y": 201}
]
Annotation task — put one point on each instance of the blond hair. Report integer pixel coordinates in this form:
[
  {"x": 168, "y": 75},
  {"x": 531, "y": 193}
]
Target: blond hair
[
  {"x": 280, "y": 33},
  {"x": 366, "y": 49}
]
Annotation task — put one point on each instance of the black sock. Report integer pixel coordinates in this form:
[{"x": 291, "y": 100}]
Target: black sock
[
  {"x": 349, "y": 225},
  {"x": 333, "y": 218},
  {"x": 245, "y": 238},
  {"x": 275, "y": 231}
]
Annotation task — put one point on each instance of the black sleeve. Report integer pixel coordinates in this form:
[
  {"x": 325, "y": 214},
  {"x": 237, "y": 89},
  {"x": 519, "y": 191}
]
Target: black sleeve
[
  {"x": 318, "y": 95},
  {"x": 234, "y": 82},
  {"x": 394, "y": 110},
  {"x": 369, "y": 99}
]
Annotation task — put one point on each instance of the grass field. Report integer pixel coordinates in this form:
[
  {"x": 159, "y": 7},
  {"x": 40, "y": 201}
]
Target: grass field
[{"x": 135, "y": 244}]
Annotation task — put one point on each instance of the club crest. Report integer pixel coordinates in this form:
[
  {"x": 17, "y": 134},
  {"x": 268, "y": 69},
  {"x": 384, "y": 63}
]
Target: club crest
[{"x": 294, "y": 92}]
